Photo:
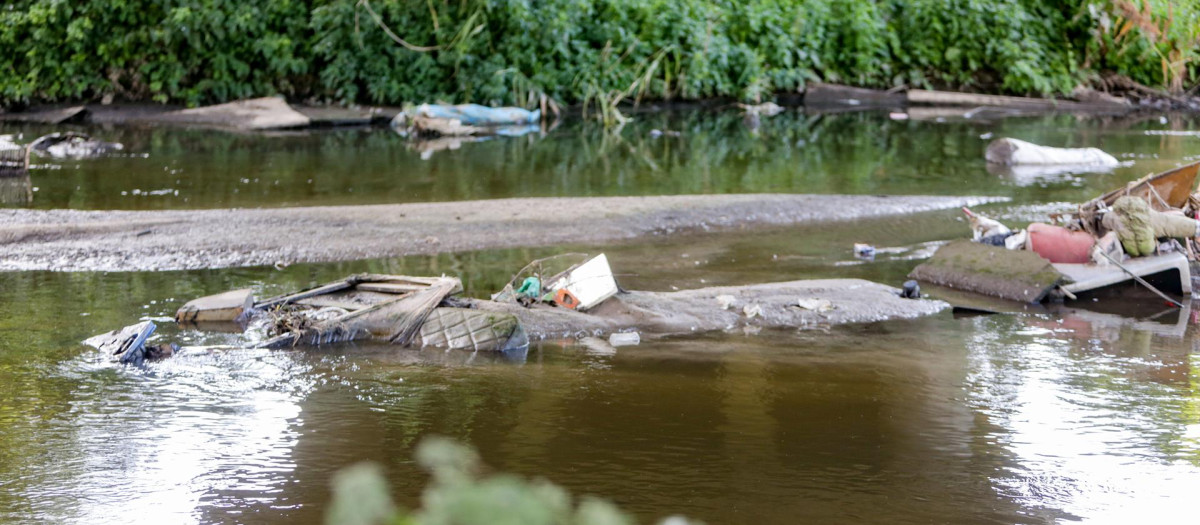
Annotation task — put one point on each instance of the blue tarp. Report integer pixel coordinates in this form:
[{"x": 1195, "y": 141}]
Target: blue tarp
[{"x": 476, "y": 115}]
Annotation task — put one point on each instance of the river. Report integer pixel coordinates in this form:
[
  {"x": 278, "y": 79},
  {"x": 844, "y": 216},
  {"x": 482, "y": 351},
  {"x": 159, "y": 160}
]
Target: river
[{"x": 1090, "y": 412}]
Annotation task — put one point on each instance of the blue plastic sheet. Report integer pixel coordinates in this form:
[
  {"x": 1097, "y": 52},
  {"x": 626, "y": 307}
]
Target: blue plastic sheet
[{"x": 476, "y": 115}]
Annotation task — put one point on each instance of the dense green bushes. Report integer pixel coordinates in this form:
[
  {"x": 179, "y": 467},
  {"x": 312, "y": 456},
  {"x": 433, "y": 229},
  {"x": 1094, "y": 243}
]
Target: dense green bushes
[{"x": 510, "y": 51}]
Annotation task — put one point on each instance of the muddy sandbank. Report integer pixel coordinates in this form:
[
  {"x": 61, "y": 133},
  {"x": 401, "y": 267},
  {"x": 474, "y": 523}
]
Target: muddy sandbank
[
  {"x": 71, "y": 240},
  {"x": 775, "y": 305}
]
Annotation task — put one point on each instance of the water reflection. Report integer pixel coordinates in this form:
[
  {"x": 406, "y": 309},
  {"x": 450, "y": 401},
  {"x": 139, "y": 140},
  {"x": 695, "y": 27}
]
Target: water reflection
[
  {"x": 714, "y": 152},
  {"x": 15, "y": 189},
  {"x": 1091, "y": 409}
]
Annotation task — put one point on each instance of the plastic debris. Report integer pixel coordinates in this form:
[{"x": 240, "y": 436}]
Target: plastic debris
[
  {"x": 816, "y": 305},
  {"x": 624, "y": 339},
  {"x": 1009, "y": 151},
  {"x": 911, "y": 290},
  {"x": 127, "y": 344},
  {"x": 752, "y": 310},
  {"x": 986, "y": 230},
  {"x": 766, "y": 109},
  {"x": 864, "y": 251},
  {"x": 598, "y": 347},
  {"x": 587, "y": 285}
]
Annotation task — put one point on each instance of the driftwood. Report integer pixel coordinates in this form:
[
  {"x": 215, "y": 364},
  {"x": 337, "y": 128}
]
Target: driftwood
[
  {"x": 73, "y": 114},
  {"x": 414, "y": 309},
  {"x": 821, "y": 94},
  {"x": 253, "y": 114},
  {"x": 397, "y": 319},
  {"x": 362, "y": 281},
  {"x": 947, "y": 98}
]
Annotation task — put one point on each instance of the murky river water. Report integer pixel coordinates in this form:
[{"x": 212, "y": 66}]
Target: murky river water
[{"x": 1041, "y": 417}]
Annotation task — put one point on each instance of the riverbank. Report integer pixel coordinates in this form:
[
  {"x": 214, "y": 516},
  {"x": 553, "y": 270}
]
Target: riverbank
[
  {"x": 69, "y": 240},
  {"x": 272, "y": 113}
]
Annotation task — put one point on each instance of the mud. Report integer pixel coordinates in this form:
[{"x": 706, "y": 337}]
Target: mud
[
  {"x": 773, "y": 305},
  {"x": 70, "y": 240}
]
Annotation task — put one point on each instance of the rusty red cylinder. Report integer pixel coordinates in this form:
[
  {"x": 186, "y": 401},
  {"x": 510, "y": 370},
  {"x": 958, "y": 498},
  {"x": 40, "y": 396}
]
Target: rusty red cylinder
[{"x": 1060, "y": 245}]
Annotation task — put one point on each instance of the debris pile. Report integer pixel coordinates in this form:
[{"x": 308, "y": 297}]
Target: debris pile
[
  {"x": 1148, "y": 227},
  {"x": 571, "y": 296}
]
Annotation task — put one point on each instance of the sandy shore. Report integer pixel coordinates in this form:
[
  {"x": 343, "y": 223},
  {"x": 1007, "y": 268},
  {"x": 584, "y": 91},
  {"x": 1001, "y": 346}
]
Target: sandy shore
[{"x": 68, "y": 240}]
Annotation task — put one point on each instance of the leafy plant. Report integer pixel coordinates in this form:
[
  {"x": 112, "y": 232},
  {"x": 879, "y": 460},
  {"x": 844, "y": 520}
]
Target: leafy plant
[
  {"x": 1131, "y": 36},
  {"x": 459, "y": 495},
  {"x": 601, "y": 53}
]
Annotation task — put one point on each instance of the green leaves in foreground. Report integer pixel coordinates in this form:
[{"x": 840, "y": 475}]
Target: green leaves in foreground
[{"x": 459, "y": 495}]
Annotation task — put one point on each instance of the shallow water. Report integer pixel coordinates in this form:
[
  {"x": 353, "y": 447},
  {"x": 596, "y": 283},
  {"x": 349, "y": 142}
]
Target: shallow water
[
  {"x": 1042, "y": 417},
  {"x": 794, "y": 152}
]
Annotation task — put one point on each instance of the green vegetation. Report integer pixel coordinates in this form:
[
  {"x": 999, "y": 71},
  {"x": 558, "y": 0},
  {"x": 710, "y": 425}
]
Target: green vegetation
[
  {"x": 592, "y": 52},
  {"x": 459, "y": 495}
]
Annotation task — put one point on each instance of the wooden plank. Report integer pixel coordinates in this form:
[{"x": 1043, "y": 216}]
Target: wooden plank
[
  {"x": 948, "y": 98},
  {"x": 417, "y": 308},
  {"x": 49, "y": 116},
  {"x": 821, "y": 94},
  {"x": 358, "y": 280},
  {"x": 222, "y": 307},
  {"x": 320, "y": 290},
  {"x": 1171, "y": 187},
  {"x": 393, "y": 288},
  {"x": 327, "y": 302}
]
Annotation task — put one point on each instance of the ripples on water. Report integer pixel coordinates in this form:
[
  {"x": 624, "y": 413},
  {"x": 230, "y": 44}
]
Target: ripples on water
[{"x": 1050, "y": 416}]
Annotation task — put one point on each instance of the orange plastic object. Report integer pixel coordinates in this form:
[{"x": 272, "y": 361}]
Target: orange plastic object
[
  {"x": 1060, "y": 245},
  {"x": 566, "y": 299}
]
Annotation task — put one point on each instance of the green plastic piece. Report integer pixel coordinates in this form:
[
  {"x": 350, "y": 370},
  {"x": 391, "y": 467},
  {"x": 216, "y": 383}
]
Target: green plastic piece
[{"x": 531, "y": 287}]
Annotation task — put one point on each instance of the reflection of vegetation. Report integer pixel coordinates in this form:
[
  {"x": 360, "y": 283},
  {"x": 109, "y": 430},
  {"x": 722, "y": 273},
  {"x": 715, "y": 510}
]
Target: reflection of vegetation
[
  {"x": 459, "y": 495},
  {"x": 716, "y": 153},
  {"x": 794, "y": 152}
]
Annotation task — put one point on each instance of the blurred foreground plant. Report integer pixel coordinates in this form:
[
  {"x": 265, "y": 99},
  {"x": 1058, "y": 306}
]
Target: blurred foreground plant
[{"x": 459, "y": 494}]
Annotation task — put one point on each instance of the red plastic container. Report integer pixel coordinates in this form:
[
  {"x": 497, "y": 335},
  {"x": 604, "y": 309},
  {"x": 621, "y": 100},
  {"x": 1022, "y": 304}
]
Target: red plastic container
[{"x": 1060, "y": 245}]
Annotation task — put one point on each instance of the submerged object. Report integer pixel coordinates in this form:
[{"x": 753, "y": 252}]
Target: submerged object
[
  {"x": 127, "y": 344},
  {"x": 1017, "y": 275},
  {"x": 475, "y": 330},
  {"x": 1010, "y": 152},
  {"x": 72, "y": 145},
  {"x": 766, "y": 109}
]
